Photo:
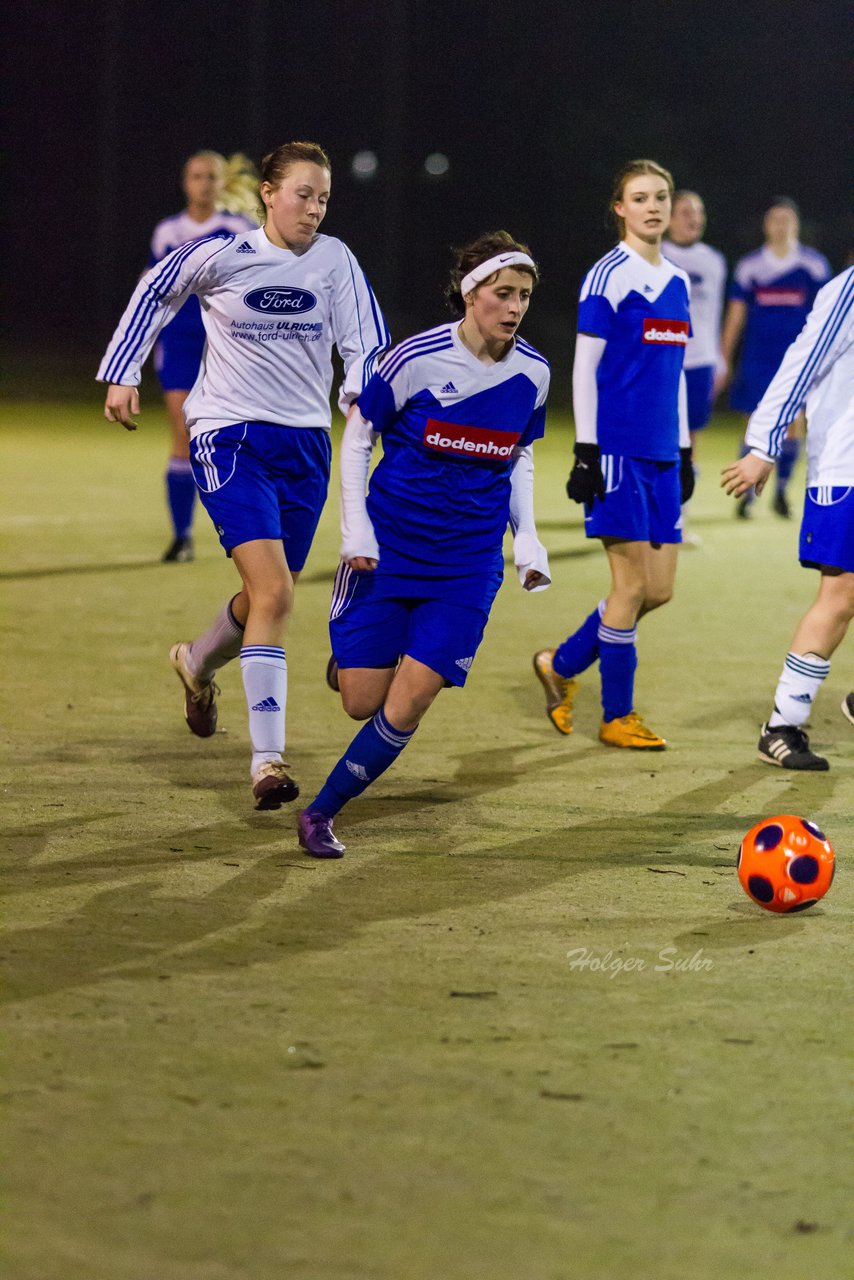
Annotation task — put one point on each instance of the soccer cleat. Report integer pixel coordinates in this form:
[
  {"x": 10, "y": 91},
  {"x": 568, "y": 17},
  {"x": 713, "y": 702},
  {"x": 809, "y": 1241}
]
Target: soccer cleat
[
  {"x": 316, "y": 837},
  {"x": 780, "y": 505},
  {"x": 630, "y": 731},
  {"x": 560, "y": 692},
  {"x": 273, "y": 786},
  {"x": 789, "y": 747},
  {"x": 847, "y": 707},
  {"x": 332, "y": 674},
  {"x": 181, "y": 551},
  {"x": 199, "y": 697},
  {"x": 744, "y": 507}
]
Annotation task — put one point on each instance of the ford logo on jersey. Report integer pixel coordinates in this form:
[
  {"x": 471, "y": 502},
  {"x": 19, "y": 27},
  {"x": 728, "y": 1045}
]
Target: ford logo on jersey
[
  {"x": 286, "y": 301},
  {"x": 674, "y": 332}
]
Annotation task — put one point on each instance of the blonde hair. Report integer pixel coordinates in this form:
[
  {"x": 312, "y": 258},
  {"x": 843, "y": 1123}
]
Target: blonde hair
[
  {"x": 238, "y": 182},
  {"x": 635, "y": 169}
]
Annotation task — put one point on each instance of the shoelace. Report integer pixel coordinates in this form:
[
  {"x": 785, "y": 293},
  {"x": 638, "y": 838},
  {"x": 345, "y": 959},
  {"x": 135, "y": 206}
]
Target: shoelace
[{"x": 205, "y": 694}]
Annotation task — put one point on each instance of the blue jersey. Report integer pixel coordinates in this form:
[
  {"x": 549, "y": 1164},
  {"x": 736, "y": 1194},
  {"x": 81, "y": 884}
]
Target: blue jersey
[
  {"x": 642, "y": 313},
  {"x": 439, "y": 497},
  {"x": 779, "y": 294},
  {"x": 172, "y": 233}
]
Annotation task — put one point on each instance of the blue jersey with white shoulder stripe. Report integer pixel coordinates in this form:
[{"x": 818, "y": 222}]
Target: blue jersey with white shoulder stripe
[
  {"x": 641, "y": 311},
  {"x": 779, "y": 294},
  {"x": 439, "y": 497}
]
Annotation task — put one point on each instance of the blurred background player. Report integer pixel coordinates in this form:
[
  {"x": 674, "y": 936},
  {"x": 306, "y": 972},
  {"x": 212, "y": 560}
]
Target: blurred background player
[
  {"x": 817, "y": 371},
  {"x": 275, "y": 300},
  {"x": 706, "y": 270},
  {"x": 222, "y": 195},
  {"x": 458, "y": 409},
  {"x": 770, "y": 296},
  {"x": 633, "y": 468}
]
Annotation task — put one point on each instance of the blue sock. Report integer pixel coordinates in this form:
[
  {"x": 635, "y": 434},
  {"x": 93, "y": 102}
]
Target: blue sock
[
  {"x": 580, "y": 650},
  {"x": 618, "y": 661},
  {"x": 374, "y": 748},
  {"x": 181, "y": 495},
  {"x": 789, "y": 455}
]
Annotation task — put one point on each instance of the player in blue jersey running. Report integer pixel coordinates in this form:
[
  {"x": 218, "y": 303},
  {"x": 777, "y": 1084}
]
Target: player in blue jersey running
[
  {"x": 633, "y": 466},
  {"x": 274, "y": 301},
  {"x": 770, "y": 296},
  {"x": 222, "y": 195},
  {"x": 817, "y": 372},
  {"x": 458, "y": 409}
]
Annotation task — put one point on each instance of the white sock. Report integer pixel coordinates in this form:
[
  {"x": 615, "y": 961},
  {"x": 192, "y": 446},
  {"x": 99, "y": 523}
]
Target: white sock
[
  {"x": 216, "y": 646},
  {"x": 265, "y": 680},
  {"x": 800, "y": 681}
]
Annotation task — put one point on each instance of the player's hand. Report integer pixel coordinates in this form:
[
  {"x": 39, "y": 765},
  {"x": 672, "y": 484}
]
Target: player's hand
[
  {"x": 687, "y": 479},
  {"x": 749, "y": 472},
  {"x": 533, "y": 578},
  {"x": 361, "y": 563},
  {"x": 122, "y": 405},
  {"x": 722, "y": 379},
  {"x": 586, "y": 482}
]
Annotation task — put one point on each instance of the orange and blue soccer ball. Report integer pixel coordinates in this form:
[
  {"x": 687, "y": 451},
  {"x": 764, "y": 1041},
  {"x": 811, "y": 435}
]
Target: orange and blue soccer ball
[{"x": 785, "y": 863}]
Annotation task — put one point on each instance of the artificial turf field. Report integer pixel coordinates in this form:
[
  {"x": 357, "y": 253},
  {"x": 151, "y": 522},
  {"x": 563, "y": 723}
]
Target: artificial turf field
[{"x": 227, "y": 1061}]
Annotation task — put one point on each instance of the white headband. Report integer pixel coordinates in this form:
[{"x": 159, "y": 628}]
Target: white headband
[{"x": 513, "y": 258}]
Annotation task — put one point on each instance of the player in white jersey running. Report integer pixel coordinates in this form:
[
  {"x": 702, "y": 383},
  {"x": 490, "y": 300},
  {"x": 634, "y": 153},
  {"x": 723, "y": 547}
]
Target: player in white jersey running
[
  {"x": 770, "y": 296},
  {"x": 273, "y": 301},
  {"x": 706, "y": 270},
  {"x": 222, "y": 195},
  {"x": 817, "y": 373},
  {"x": 633, "y": 468},
  {"x": 458, "y": 409}
]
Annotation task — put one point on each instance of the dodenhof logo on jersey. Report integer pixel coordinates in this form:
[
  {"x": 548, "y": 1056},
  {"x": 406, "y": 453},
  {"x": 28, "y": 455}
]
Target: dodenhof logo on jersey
[
  {"x": 469, "y": 442},
  {"x": 672, "y": 332},
  {"x": 284, "y": 301}
]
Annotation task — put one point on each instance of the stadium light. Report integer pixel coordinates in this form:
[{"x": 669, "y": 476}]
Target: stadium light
[
  {"x": 437, "y": 165},
  {"x": 364, "y": 166}
]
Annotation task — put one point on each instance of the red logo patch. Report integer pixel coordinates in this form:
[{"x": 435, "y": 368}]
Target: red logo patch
[
  {"x": 470, "y": 442},
  {"x": 672, "y": 332},
  {"x": 781, "y": 297}
]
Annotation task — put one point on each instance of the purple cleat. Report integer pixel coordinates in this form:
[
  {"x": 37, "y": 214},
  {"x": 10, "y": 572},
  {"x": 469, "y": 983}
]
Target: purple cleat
[{"x": 315, "y": 835}]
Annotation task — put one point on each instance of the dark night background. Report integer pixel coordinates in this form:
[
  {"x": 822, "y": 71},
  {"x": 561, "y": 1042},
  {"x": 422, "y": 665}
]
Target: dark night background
[{"x": 536, "y": 106}]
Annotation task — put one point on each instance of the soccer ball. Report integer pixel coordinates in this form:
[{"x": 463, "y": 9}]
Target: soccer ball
[{"x": 785, "y": 863}]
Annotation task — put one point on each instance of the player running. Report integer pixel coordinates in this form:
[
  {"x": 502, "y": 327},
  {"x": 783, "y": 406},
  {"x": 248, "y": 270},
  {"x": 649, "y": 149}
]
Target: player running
[
  {"x": 222, "y": 195},
  {"x": 817, "y": 372},
  {"x": 770, "y": 296},
  {"x": 633, "y": 466},
  {"x": 458, "y": 409},
  {"x": 273, "y": 302},
  {"x": 706, "y": 270}
]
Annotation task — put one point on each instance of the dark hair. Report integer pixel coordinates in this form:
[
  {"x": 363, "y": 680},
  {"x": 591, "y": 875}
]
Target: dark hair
[
  {"x": 685, "y": 193},
  {"x": 275, "y": 166},
  {"x": 635, "y": 169},
  {"x": 784, "y": 202},
  {"x": 481, "y": 250}
]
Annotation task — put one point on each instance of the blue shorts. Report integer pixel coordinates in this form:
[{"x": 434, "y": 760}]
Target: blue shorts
[
  {"x": 699, "y": 383},
  {"x": 642, "y": 501},
  {"x": 827, "y": 529},
  {"x": 258, "y": 480},
  {"x": 177, "y": 360},
  {"x": 376, "y": 618}
]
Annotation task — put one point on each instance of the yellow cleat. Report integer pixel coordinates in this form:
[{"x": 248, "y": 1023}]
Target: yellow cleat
[
  {"x": 560, "y": 692},
  {"x": 630, "y": 731}
]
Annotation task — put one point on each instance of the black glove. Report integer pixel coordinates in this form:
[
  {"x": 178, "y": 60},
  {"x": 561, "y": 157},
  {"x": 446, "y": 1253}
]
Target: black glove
[
  {"x": 686, "y": 474},
  {"x": 586, "y": 482}
]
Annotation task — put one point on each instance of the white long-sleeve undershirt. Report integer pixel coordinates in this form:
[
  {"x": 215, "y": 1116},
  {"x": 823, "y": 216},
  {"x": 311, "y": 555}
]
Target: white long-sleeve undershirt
[
  {"x": 585, "y": 392},
  {"x": 357, "y": 532}
]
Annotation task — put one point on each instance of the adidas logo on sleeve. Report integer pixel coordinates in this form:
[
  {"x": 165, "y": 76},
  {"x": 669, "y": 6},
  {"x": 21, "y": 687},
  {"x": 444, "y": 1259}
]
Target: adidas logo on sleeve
[
  {"x": 449, "y": 390},
  {"x": 246, "y": 247}
]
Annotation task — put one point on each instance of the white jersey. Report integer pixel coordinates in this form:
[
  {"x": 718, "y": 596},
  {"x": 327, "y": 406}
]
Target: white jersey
[
  {"x": 270, "y": 316},
  {"x": 817, "y": 371},
  {"x": 706, "y": 269},
  {"x": 171, "y": 233}
]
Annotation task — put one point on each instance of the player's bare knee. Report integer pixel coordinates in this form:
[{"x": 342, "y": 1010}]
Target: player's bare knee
[
  {"x": 654, "y": 599},
  {"x": 358, "y": 706}
]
